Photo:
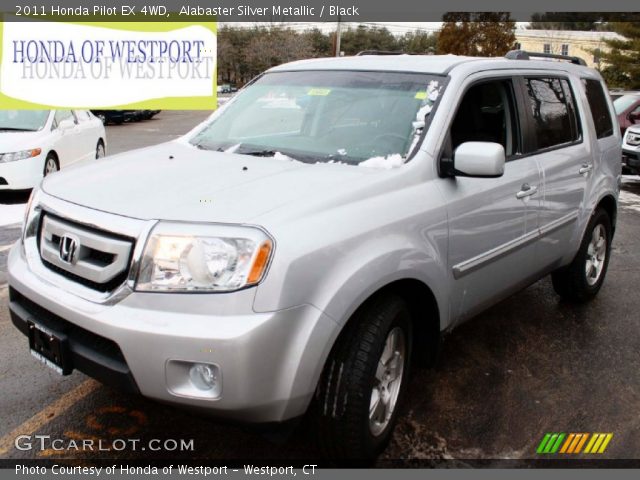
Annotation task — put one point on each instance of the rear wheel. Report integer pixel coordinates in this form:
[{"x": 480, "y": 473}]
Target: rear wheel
[
  {"x": 50, "y": 165},
  {"x": 364, "y": 381},
  {"x": 582, "y": 279}
]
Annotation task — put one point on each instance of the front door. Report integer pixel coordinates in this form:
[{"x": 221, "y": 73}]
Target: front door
[{"x": 492, "y": 221}]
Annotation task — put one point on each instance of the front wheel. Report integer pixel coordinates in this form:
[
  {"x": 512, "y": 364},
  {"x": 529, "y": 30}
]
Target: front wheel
[
  {"x": 582, "y": 279},
  {"x": 100, "y": 150},
  {"x": 365, "y": 379},
  {"x": 50, "y": 165}
]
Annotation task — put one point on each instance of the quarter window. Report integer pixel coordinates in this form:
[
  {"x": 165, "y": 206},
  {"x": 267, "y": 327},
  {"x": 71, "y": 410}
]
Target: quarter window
[
  {"x": 553, "y": 112},
  {"x": 599, "y": 107}
]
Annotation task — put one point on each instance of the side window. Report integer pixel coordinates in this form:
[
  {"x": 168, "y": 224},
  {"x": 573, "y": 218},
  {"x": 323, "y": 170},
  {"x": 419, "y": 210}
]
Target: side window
[
  {"x": 486, "y": 114},
  {"x": 82, "y": 115},
  {"x": 62, "y": 115},
  {"x": 553, "y": 111},
  {"x": 599, "y": 107}
]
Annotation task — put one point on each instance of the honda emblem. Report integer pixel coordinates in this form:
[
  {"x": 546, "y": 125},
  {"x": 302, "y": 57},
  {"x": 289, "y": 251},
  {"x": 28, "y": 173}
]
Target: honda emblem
[{"x": 69, "y": 246}]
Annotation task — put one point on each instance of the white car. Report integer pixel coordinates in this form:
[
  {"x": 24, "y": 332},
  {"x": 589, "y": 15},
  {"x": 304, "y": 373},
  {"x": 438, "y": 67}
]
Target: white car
[
  {"x": 631, "y": 149},
  {"x": 35, "y": 143}
]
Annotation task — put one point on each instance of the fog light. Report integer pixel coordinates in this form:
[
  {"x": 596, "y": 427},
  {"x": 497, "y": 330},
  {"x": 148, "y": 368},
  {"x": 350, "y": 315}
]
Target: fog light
[{"x": 203, "y": 376}]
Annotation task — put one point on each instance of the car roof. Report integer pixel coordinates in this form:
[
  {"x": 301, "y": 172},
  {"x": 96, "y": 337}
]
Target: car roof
[{"x": 435, "y": 64}]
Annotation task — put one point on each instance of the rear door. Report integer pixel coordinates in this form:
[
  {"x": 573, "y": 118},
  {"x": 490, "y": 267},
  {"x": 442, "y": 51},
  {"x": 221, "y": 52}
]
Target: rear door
[
  {"x": 87, "y": 134},
  {"x": 491, "y": 220},
  {"x": 554, "y": 136}
]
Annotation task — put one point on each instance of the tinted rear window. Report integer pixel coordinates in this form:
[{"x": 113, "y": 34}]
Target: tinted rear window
[
  {"x": 553, "y": 112},
  {"x": 599, "y": 107}
]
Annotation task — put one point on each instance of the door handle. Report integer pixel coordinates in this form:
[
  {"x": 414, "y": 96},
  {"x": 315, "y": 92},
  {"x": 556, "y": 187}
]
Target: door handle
[
  {"x": 527, "y": 191},
  {"x": 586, "y": 168}
]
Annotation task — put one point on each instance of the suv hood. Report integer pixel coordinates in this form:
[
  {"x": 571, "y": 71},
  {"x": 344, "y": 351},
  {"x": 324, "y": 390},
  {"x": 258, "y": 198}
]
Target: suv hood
[{"x": 176, "y": 181}]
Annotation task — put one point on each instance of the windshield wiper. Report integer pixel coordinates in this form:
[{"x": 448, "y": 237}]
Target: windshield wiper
[
  {"x": 257, "y": 152},
  {"x": 11, "y": 129},
  {"x": 204, "y": 146}
]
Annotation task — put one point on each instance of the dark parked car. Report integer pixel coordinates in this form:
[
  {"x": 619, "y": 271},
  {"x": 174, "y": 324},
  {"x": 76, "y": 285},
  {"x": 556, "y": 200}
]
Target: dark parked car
[
  {"x": 627, "y": 108},
  {"x": 121, "y": 116},
  {"x": 116, "y": 116},
  {"x": 148, "y": 114}
]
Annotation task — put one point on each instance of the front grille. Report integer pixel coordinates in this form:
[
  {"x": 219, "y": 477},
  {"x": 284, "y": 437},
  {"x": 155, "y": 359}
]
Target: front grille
[
  {"x": 100, "y": 287},
  {"x": 94, "y": 258}
]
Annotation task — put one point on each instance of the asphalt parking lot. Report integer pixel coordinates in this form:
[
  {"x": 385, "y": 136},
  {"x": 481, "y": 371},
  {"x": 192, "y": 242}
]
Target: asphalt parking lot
[{"x": 530, "y": 365}]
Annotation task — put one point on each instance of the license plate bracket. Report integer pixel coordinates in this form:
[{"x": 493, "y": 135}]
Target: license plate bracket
[{"x": 50, "y": 348}]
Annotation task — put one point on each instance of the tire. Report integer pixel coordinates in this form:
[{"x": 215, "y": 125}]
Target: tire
[
  {"x": 582, "y": 279},
  {"x": 100, "y": 150},
  {"x": 51, "y": 165},
  {"x": 350, "y": 383}
]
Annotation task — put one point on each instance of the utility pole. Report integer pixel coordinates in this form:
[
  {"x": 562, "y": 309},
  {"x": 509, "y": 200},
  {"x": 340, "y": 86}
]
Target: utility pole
[{"x": 338, "y": 38}]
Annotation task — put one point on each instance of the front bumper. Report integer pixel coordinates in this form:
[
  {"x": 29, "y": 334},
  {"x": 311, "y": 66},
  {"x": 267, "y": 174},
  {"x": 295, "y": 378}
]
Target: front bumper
[
  {"x": 269, "y": 362},
  {"x": 21, "y": 174}
]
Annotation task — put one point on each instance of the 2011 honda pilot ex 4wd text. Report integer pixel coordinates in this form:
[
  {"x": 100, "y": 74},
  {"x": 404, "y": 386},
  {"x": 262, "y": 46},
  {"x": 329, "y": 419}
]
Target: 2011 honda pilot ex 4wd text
[{"x": 294, "y": 252}]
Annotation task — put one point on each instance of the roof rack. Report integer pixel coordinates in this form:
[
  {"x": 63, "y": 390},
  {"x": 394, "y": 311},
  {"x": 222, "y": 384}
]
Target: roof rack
[
  {"x": 525, "y": 55},
  {"x": 379, "y": 52}
]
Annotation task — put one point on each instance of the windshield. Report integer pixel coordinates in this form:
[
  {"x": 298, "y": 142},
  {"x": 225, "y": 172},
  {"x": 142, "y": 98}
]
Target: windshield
[
  {"x": 23, "y": 120},
  {"x": 621, "y": 104},
  {"x": 326, "y": 116}
]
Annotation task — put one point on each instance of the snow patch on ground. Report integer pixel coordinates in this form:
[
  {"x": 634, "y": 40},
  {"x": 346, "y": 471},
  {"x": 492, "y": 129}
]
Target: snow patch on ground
[
  {"x": 629, "y": 200},
  {"x": 12, "y": 214}
]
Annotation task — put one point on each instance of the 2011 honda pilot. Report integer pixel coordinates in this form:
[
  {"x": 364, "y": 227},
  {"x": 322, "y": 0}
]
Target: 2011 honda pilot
[{"x": 297, "y": 250}]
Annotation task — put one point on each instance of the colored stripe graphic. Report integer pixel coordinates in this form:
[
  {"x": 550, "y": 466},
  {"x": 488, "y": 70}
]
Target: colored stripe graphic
[
  {"x": 573, "y": 443},
  {"x": 598, "y": 443},
  {"x": 550, "y": 443},
  {"x": 581, "y": 442},
  {"x": 544, "y": 441},
  {"x": 567, "y": 443}
]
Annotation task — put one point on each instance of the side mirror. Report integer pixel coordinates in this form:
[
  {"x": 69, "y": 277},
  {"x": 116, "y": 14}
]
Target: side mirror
[
  {"x": 634, "y": 117},
  {"x": 66, "y": 124},
  {"x": 478, "y": 159}
]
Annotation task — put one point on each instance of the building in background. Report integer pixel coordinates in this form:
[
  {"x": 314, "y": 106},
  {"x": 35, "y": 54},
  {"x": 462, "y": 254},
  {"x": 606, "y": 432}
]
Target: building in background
[{"x": 586, "y": 45}]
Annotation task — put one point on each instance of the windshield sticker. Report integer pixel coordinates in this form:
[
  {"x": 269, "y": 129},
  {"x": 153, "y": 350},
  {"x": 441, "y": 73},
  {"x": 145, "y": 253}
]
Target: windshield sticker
[
  {"x": 421, "y": 95},
  {"x": 319, "y": 92}
]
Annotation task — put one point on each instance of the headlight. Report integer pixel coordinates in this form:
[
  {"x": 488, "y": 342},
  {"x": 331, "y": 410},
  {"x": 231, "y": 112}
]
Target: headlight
[
  {"x": 206, "y": 258},
  {"x": 23, "y": 155},
  {"x": 30, "y": 223}
]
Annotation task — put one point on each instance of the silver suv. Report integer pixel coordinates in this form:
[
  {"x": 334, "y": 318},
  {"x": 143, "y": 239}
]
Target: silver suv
[{"x": 297, "y": 251}]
